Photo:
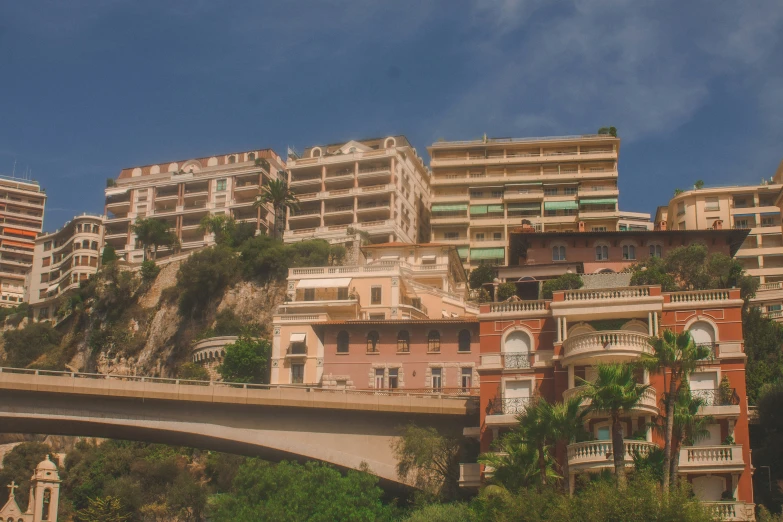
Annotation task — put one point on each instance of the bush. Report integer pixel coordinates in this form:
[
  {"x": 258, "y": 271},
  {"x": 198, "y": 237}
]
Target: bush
[
  {"x": 564, "y": 282},
  {"x": 263, "y": 259},
  {"x": 193, "y": 372},
  {"x": 481, "y": 275},
  {"x": 246, "y": 361},
  {"x": 506, "y": 290},
  {"x": 109, "y": 255},
  {"x": 228, "y": 323},
  {"x": 315, "y": 252},
  {"x": 27, "y": 344},
  {"x": 457, "y": 512},
  {"x": 204, "y": 277},
  {"x": 149, "y": 271}
]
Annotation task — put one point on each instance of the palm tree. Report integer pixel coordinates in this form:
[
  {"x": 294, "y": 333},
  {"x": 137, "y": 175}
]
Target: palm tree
[
  {"x": 277, "y": 193},
  {"x": 514, "y": 463},
  {"x": 219, "y": 224},
  {"x": 535, "y": 429},
  {"x": 154, "y": 232},
  {"x": 568, "y": 424},
  {"x": 689, "y": 426},
  {"x": 612, "y": 393},
  {"x": 677, "y": 355}
]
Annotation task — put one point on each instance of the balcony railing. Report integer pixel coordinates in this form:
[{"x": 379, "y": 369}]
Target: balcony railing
[
  {"x": 706, "y": 458},
  {"x": 717, "y": 396},
  {"x": 599, "y": 452},
  {"x": 608, "y": 342},
  {"x": 647, "y": 402},
  {"x": 516, "y": 360},
  {"x": 508, "y": 406},
  {"x": 700, "y": 296},
  {"x": 518, "y": 306},
  {"x": 730, "y": 510},
  {"x": 606, "y": 295}
]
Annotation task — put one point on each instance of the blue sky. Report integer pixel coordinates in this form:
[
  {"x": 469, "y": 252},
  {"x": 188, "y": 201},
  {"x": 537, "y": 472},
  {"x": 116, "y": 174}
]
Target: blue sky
[{"x": 89, "y": 87}]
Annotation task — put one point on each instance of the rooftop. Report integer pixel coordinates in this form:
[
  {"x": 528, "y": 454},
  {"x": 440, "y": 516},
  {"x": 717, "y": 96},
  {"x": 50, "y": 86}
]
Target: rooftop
[
  {"x": 221, "y": 159},
  {"x": 373, "y": 143},
  {"x": 503, "y": 141}
]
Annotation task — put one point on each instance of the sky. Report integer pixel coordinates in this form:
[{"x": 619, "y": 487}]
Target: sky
[{"x": 88, "y": 87}]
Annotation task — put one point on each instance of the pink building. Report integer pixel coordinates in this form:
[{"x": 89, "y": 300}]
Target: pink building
[{"x": 386, "y": 323}]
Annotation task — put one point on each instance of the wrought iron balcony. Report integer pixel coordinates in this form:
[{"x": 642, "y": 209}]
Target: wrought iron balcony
[
  {"x": 508, "y": 406},
  {"x": 717, "y": 396}
]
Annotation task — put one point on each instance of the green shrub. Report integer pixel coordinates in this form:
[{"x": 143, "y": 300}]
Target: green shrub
[
  {"x": 246, "y": 360},
  {"x": 456, "y": 512},
  {"x": 149, "y": 271},
  {"x": 25, "y": 345},
  {"x": 481, "y": 275},
  {"x": 263, "y": 259},
  {"x": 109, "y": 255},
  {"x": 564, "y": 282},
  {"x": 193, "y": 372},
  {"x": 506, "y": 290},
  {"x": 204, "y": 277}
]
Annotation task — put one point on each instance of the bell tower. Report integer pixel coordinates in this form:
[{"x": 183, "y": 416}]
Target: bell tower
[{"x": 45, "y": 486}]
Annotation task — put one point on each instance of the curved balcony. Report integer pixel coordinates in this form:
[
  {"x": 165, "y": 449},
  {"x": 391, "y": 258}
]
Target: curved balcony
[
  {"x": 647, "y": 406},
  {"x": 597, "y": 454},
  {"x": 615, "y": 345}
]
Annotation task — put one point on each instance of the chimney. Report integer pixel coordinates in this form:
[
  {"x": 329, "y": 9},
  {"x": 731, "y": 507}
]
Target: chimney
[
  {"x": 581, "y": 226},
  {"x": 718, "y": 224},
  {"x": 662, "y": 225}
]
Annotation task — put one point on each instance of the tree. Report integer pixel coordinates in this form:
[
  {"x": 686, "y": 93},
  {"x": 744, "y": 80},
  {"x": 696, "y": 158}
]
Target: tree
[
  {"x": 763, "y": 341},
  {"x": 481, "y": 275},
  {"x": 699, "y": 184},
  {"x": 430, "y": 458},
  {"x": 677, "y": 355},
  {"x": 506, "y": 290},
  {"x": 567, "y": 421},
  {"x": 612, "y": 131},
  {"x": 149, "y": 271},
  {"x": 154, "y": 232},
  {"x": 535, "y": 427},
  {"x": 291, "y": 492},
  {"x": 109, "y": 255},
  {"x": 515, "y": 463},
  {"x": 106, "y": 509},
  {"x": 264, "y": 259},
  {"x": 221, "y": 225},
  {"x": 17, "y": 466},
  {"x": 652, "y": 271},
  {"x": 677, "y": 192},
  {"x": 766, "y": 447},
  {"x": 563, "y": 282},
  {"x": 688, "y": 427},
  {"x": 277, "y": 193},
  {"x": 246, "y": 361},
  {"x": 204, "y": 276},
  {"x": 612, "y": 393},
  {"x": 23, "y": 346},
  {"x": 193, "y": 372}
]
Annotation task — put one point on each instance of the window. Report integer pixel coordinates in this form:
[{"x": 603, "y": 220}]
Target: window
[
  {"x": 342, "y": 294},
  {"x": 767, "y": 221},
  {"x": 437, "y": 379},
  {"x": 774, "y": 308},
  {"x": 433, "y": 341},
  {"x": 46, "y": 261},
  {"x": 476, "y": 194},
  {"x": 463, "y": 340},
  {"x": 497, "y": 194},
  {"x": 601, "y": 253},
  {"x": 377, "y": 317},
  {"x": 629, "y": 252},
  {"x": 379, "y": 373},
  {"x": 558, "y": 253},
  {"x": 251, "y": 156},
  {"x": 569, "y": 191},
  {"x": 86, "y": 244},
  {"x": 741, "y": 223},
  {"x": 550, "y": 191},
  {"x": 375, "y": 295},
  {"x": 47, "y": 245},
  {"x": 221, "y": 185},
  {"x": 393, "y": 378},
  {"x": 403, "y": 341},
  {"x": 480, "y": 237},
  {"x": 497, "y": 236},
  {"x": 232, "y": 159},
  {"x": 342, "y": 342},
  {"x": 297, "y": 373},
  {"x": 680, "y": 208},
  {"x": 466, "y": 379},
  {"x": 451, "y": 235},
  {"x": 309, "y": 294},
  {"x": 711, "y": 204},
  {"x": 602, "y": 229},
  {"x": 656, "y": 251},
  {"x": 372, "y": 342}
]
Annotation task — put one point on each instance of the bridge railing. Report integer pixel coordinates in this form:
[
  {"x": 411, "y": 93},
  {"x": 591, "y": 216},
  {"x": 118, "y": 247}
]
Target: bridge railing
[{"x": 441, "y": 393}]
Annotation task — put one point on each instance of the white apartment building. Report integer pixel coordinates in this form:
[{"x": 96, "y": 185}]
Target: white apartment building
[
  {"x": 21, "y": 218},
  {"x": 183, "y": 192},
  {"x": 379, "y": 186},
  {"x": 62, "y": 260},
  {"x": 481, "y": 188}
]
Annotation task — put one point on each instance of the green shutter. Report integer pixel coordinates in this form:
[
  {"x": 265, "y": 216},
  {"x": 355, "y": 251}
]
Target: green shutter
[
  {"x": 449, "y": 208},
  {"x": 478, "y": 209},
  {"x": 463, "y": 252},
  {"x": 599, "y": 201},
  {"x": 524, "y": 206},
  {"x": 487, "y": 253},
  {"x": 495, "y": 208},
  {"x": 560, "y": 205}
]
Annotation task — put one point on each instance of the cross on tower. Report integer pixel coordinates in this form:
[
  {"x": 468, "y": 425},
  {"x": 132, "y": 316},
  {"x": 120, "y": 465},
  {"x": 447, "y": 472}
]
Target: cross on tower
[{"x": 12, "y": 486}]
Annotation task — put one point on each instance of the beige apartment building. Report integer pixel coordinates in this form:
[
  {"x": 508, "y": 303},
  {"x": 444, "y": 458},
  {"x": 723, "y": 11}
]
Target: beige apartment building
[
  {"x": 61, "y": 261},
  {"x": 379, "y": 186},
  {"x": 481, "y": 188},
  {"x": 22, "y": 211},
  {"x": 741, "y": 206},
  {"x": 183, "y": 192}
]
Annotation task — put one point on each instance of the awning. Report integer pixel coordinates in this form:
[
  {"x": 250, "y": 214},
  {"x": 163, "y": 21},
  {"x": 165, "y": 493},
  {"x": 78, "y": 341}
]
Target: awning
[
  {"x": 429, "y": 258},
  {"x": 298, "y": 337},
  {"x": 116, "y": 191},
  {"x": 524, "y": 206},
  {"x": 53, "y": 287},
  {"x": 548, "y": 183},
  {"x": 462, "y": 252},
  {"x": 390, "y": 257},
  {"x": 337, "y": 282},
  {"x": 449, "y": 208},
  {"x": 8, "y": 242},
  {"x": 598, "y": 201},
  {"x": 20, "y": 232},
  {"x": 494, "y": 208},
  {"x": 523, "y": 184},
  {"x": 769, "y": 214},
  {"x": 487, "y": 253},
  {"x": 560, "y": 205},
  {"x": 744, "y": 215},
  {"x": 478, "y": 209}
]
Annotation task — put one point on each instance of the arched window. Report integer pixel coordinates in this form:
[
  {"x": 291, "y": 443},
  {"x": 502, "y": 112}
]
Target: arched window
[
  {"x": 702, "y": 333},
  {"x": 342, "y": 342},
  {"x": 372, "y": 342},
  {"x": 433, "y": 341},
  {"x": 390, "y": 142},
  {"x": 251, "y": 156},
  {"x": 232, "y": 159},
  {"x": 463, "y": 340},
  {"x": 601, "y": 253},
  {"x": 558, "y": 253},
  {"x": 629, "y": 252},
  {"x": 403, "y": 341},
  {"x": 656, "y": 251}
]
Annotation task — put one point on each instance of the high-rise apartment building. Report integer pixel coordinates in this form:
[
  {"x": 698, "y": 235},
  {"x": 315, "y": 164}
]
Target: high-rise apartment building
[
  {"x": 379, "y": 186},
  {"x": 183, "y": 192},
  {"x": 481, "y": 188},
  {"x": 743, "y": 206},
  {"x": 62, "y": 260},
  {"x": 22, "y": 211}
]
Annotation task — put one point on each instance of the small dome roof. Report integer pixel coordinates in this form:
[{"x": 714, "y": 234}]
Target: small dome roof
[{"x": 46, "y": 465}]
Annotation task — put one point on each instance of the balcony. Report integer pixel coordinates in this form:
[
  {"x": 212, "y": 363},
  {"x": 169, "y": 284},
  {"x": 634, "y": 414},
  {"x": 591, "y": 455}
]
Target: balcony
[
  {"x": 631, "y": 301},
  {"x": 731, "y": 510},
  {"x": 595, "y": 455},
  {"x": 608, "y": 345},
  {"x": 296, "y": 351},
  {"x": 712, "y": 459},
  {"x": 647, "y": 406},
  {"x": 306, "y": 180},
  {"x": 718, "y": 402},
  {"x": 506, "y": 361},
  {"x": 518, "y": 308},
  {"x": 699, "y": 297},
  {"x": 306, "y": 213}
]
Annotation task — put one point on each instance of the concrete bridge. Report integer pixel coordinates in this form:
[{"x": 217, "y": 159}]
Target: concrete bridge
[{"x": 345, "y": 428}]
